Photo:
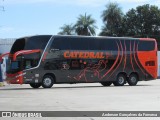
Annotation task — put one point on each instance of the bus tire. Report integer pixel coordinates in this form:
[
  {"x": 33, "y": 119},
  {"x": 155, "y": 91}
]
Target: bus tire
[
  {"x": 35, "y": 85},
  {"x": 133, "y": 79},
  {"x": 106, "y": 83},
  {"x": 47, "y": 81},
  {"x": 120, "y": 81}
]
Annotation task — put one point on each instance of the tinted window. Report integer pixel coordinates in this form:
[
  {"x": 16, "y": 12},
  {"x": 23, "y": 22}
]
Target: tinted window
[
  {"x": 14, "y": 65},
  {"x": 94, "y": 44},
  {"x": 128, "y": 44},
  {"x": 79, "y": 43},
  {"x": 146, "y": 45},
  {"x": 37, "y": 42},
  {"x": 106, "y": 44},
  {"x": 31, "y": 43},
  {"x": 18, "y": 45},
  {"x": 70, "y": 44},
  {"x": 60, "y": 43},
  {"x": 83, "y": 44}
]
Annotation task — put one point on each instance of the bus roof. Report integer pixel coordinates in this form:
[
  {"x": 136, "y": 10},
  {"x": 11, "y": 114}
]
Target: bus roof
[
  {"x": 80, "y": 36},
  {"x": 124, "y": 38}
]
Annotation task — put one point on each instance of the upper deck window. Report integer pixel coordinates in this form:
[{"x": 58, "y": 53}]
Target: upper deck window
[
  {"x": 146, "y": 46},
  {"x": 30, "y": 43},
  {"x": 76, "y": 43}
]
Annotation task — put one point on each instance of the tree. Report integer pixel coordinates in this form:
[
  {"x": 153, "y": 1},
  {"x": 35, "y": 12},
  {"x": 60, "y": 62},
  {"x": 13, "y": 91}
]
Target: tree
[
  {"x": 112, "y": 18},
  {"x": 85, "y": 25},
  {"x": 67, "y": 30},
  {"x": 143, "y": 21}
]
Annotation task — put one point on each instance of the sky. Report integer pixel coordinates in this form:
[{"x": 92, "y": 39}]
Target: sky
[{"x": 37, "y": 17}]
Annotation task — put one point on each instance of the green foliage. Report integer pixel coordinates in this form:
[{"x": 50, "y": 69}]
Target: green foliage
[
  {"x": 85, "y": 25},
  {"x": 67, "y": 30},
  {"x": 143, "y": 21},
  {"x": 112, "y": 18}
]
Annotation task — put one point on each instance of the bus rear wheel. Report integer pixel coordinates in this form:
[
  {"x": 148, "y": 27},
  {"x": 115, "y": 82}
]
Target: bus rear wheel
[
  {"x": 120, "y": 81},
  {"x": 47, "y": 81},
  {"x": 35, "y": 85},
  {"x": 132, "y": 80},
  {"x": 106, "y": 83}
]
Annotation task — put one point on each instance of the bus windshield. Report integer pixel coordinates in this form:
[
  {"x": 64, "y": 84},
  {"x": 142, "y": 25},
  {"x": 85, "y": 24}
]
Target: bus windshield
[
  {"x": 33, "y": 46},
  {"x": 13, "y": 66},
  {"x": 23, "y": 62}
]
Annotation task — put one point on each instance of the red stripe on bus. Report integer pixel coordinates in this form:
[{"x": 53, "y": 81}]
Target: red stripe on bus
[
  {"x": 114, "y": 62},
  {"x": 119, "y": 62}
]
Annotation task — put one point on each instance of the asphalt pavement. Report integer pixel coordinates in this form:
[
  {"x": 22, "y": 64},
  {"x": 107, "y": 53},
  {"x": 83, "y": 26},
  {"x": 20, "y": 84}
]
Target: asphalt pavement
[{"x": 82, "y": 97}]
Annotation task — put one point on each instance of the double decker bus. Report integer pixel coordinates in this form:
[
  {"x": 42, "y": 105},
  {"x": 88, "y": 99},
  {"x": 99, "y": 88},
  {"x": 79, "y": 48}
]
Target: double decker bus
[{"x": 45, "y": 60}]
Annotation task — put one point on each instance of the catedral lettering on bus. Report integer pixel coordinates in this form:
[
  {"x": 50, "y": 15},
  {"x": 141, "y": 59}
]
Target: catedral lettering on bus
[
  {"x": 45, "y": 60},
  {"x": 86, "y": 55}
]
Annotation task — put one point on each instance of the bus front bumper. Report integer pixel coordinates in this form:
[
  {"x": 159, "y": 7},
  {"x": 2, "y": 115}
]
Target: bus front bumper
[{"x": 16, "y": 78}]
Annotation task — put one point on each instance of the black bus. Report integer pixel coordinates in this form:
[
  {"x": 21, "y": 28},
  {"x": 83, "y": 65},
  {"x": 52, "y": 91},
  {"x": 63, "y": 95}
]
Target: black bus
[{"x": 44, "y": 60}]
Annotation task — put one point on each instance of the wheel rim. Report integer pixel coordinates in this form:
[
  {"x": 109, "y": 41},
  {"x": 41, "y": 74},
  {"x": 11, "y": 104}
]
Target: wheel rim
[
  {"x": 47, "y": 81},
  {"x": 121, "y": 80},
  {"x": 133, "y": 79}
]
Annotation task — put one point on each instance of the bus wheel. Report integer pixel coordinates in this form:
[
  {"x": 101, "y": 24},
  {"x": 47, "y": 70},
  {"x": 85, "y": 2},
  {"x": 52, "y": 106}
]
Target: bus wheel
[
  {"x": 133, "y": 79},
  {"x": 106, "y": 83},
  {"x": 120, "y": 81},
  {"x": 35, "y": 85},
  {"x": 47, "y": 81}
]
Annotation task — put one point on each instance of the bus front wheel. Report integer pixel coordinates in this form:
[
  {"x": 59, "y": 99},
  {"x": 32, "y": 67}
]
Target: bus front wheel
[
  {"x": 35, "y": 85},
  {"x": 47, "y": 81}
]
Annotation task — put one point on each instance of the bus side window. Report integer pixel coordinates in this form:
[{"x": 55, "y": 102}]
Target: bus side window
[
  {"x": 60, "y": 44},
  {"x": 146, "y": 45},
  {"x": 109, "y": 45},
  {"x": 28, "y": 64},
  {"x": 94, "y": 44},
  {"x": 79, "y": 43}
]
